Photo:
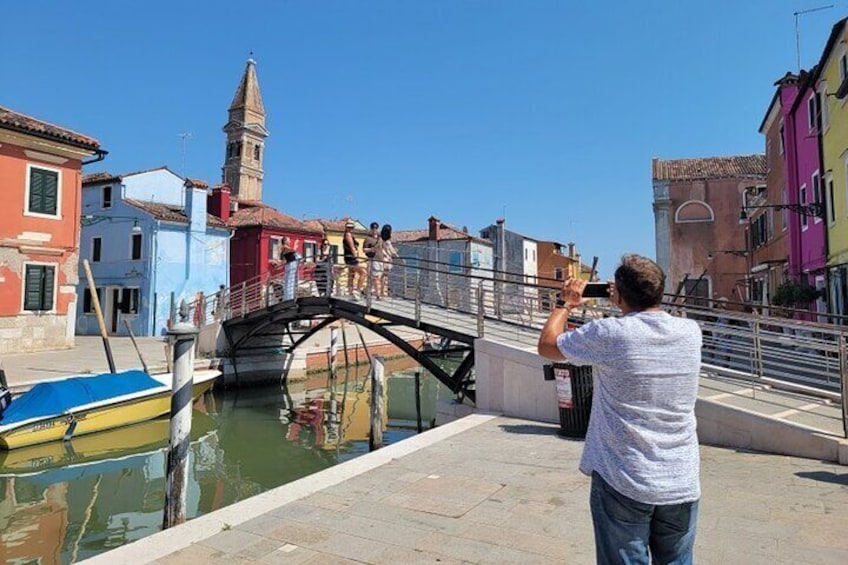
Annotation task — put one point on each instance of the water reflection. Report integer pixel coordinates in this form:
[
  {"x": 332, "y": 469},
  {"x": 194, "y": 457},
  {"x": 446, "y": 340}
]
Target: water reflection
[{"x": 63, "y": 502}]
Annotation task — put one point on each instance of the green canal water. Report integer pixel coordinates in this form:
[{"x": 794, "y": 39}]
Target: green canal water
[{"x": 60, "y": 503}]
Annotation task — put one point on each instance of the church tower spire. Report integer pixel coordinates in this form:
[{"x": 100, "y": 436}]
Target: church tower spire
[{"x": 246, "y": 133}]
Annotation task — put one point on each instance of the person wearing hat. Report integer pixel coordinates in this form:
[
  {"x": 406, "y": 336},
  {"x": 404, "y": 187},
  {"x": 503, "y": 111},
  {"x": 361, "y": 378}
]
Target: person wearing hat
[{"x": 351, "y": 259}]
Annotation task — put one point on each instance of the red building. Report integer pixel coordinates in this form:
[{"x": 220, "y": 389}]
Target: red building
[
  {"x": 41, "y": 179},
  {"x": 256, "y": 247}
]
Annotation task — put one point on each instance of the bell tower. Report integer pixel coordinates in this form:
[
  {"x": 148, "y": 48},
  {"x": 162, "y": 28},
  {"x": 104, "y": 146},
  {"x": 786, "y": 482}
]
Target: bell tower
[{"x": 246, "y": 133}]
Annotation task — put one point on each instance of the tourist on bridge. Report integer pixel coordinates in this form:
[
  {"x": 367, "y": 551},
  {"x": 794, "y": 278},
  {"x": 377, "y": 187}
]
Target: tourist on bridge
[
  {"x": 384, "y": 253},
  {"x": 324, "y": 268},
  {"x": 641, "y": 447},
  {"x": 291, "y": 257},
  {"x": 355, "y": 271}
]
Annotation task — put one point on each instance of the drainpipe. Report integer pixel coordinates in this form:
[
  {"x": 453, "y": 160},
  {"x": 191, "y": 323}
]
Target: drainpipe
[
  {"x": 154, "y": 250},
  {"x": 823, "y": 203},
  {"x": 101, "y": 154}
]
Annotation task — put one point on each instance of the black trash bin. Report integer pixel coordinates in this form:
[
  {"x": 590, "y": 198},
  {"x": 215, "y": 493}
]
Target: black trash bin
[{"x": 574, "y": 397}]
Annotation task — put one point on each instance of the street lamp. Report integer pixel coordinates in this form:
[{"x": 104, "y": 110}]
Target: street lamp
[
  {"x": 813, "y": 209},
  {"x": 736, "y": 252},
  {"x": 91, "y": 219}
]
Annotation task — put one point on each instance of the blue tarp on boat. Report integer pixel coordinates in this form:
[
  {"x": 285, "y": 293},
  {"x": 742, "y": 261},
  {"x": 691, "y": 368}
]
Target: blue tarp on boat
[{"x": 47, "y": 399}]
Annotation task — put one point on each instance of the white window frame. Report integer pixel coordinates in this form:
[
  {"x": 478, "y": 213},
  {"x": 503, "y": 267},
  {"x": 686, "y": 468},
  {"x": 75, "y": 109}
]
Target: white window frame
[
  {"x": 677, "y": 219},
  {"x": 104, "y": 204},
  {"x": 802, "y": 199},
  {"x": 98, "y": 259},
  {"x": 828, "y": 194},
  {"x": 137, "y": 302},
  {"x": 817, "y": 194},
  {"x": 811, "y": 112},
  {"x": 23, "y": 286},
  {"x": 141, "y": 247},
  {"x": 275, "y": 242},
  {"x": 58, "y": 215},
  {"x": 310, "y": 246}
]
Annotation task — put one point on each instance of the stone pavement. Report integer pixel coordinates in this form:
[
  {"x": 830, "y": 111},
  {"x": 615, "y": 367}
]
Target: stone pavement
[
  {"x": 87, "y": 357},
  {"x": 488, "y": 489}
]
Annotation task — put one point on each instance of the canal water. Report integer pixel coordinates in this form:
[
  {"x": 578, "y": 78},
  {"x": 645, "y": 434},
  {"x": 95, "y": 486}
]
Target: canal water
[{"x": 64, "y": 502}]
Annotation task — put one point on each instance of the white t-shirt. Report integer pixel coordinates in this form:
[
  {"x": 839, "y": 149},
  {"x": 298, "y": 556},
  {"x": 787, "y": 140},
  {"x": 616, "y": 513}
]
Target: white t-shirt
[{"x": 642, "y": 432}]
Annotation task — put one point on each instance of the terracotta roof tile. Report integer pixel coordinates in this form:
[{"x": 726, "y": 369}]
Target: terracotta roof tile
[
  {"x": 446, "y": 232},
  {"x": 338, "y": 224},
  {"x": 257, "y": 214},
  {"x": 197, "y": 183},
  {"x": 171, "y": 213},
  {"x": 102, "y": 176},
  {"x": 27, "y": 124},
  {"x": 731, "y": 167}
]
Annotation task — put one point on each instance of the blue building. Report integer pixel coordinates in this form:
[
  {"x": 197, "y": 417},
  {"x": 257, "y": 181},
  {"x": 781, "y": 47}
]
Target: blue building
[{"x": 149, "y": 239}]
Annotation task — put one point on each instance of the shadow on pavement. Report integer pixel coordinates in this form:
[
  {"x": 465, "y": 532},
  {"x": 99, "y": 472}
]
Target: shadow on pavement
[{"x": 825, "y": 476}]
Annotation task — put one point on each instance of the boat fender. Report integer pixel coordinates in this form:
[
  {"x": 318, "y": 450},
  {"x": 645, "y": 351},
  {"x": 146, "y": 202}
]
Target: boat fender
[{"x": 5, "y": 400}]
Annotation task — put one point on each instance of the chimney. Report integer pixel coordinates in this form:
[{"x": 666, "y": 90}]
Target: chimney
[
  {"x": 434, "y": 227},
  {"x": 219, "y": 202},
  {"x": 571, "y": 249},
  {"x": 195, "y": 204}
]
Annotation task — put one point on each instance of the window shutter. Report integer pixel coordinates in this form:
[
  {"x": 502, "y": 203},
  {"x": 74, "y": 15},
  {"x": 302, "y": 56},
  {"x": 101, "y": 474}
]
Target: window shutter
[
  {"x": 51, "y": 191},
  {"x": 36, "y": 191},
  {"x": 32, "y": 289},
  {"x": 47, "y": 302},
  {"x": 43, "y": 191}
]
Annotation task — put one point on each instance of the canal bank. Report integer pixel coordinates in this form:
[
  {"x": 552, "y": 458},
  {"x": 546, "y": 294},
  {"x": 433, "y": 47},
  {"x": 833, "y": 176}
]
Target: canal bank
[
  {"x": 60, "y": 502},
  {"x": 488, "y": 489}
]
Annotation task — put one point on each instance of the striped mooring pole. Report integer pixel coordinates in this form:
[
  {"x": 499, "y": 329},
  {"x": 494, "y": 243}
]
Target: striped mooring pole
[
  {"x": 378, "y": 406},
  {"x": 183, "y": 336},
  {"x": 334, "y": 350}
]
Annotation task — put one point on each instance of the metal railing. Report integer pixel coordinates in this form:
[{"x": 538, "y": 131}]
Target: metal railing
[{"x": 483, "y": 302}]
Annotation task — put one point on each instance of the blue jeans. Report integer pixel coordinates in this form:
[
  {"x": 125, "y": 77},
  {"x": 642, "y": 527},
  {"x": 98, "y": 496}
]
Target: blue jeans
[{"x": 626, "y": 530}]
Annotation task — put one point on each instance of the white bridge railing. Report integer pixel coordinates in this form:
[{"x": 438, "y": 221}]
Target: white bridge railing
[{"x": 512, "y": 308}]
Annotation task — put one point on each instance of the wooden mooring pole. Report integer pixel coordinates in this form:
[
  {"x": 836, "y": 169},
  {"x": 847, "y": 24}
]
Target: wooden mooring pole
[
  {"x": 183, "y": 335},
  {"x": 95, "y": 301},
  {"x": 375, "y": 440}
]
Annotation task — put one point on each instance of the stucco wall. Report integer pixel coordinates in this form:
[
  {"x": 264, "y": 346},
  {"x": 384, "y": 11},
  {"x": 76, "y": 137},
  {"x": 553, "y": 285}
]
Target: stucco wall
[{"x": 39, "y": 240}]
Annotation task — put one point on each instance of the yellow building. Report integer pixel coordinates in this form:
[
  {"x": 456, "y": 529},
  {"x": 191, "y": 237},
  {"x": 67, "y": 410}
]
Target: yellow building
[{"x": 832, "y": 112}]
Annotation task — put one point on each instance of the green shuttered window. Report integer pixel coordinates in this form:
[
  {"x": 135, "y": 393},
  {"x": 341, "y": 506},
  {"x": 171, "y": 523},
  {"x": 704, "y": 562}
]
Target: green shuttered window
[
  {"x": 43, "y": 191},
  {"x": 38, "y": 289}
]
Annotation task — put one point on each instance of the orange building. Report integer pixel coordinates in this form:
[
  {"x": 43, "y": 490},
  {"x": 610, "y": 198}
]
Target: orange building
[
  {"x": 40, "y": 172},
  {"x": 556, "y": 263}
]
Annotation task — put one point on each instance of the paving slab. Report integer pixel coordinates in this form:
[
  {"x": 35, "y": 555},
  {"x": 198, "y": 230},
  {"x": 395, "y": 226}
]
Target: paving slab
[{"x": 435, "y": 500}]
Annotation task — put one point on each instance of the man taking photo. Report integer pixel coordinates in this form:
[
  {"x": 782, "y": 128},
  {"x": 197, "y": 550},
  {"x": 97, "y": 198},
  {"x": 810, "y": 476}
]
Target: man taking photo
[{"x": 641, "y": 447}]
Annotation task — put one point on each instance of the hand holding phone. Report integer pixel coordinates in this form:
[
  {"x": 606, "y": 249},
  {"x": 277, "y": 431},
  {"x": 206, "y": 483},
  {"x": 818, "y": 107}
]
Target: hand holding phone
[{"x": 597, "y": 290}]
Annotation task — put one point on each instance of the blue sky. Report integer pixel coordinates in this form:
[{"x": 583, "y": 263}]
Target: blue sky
[{"x": 397, "y": 110}]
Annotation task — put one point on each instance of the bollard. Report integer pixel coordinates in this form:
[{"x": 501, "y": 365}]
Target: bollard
[
  {"x": 176, "y": 478},
  {"x": 375, "y": 439},
  {"x": 418, "y": 400}
]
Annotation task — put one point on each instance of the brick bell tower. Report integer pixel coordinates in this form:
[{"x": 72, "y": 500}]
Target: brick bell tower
[{"x": 246, "y": 133}]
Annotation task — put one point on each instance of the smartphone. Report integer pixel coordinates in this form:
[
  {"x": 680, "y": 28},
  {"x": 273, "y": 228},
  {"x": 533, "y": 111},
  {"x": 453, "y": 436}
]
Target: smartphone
[{"x": 596, "y": 290}]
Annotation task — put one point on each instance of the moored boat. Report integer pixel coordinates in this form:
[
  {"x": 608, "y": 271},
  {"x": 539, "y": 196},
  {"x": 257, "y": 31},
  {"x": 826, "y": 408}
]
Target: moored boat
[{"x": 64, "y": 408}]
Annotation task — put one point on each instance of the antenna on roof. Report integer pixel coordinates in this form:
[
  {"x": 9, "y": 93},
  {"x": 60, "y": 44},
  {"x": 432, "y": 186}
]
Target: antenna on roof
[
  {"x": 798, "y": 31},
  {"x": 184, "y": 136}
]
